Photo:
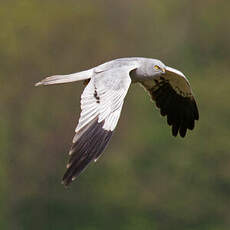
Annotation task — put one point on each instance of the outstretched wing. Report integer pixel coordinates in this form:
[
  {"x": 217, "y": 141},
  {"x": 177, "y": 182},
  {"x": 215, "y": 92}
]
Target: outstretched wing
[
  {"x": 101, "y": 104},
  {"x": 173, "y": 96}
]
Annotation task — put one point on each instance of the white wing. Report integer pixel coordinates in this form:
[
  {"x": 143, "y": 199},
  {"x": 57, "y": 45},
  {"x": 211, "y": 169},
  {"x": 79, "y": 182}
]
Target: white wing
[
  {"x": 173, "y": 96},
  {"x": 101, "y": 104}
]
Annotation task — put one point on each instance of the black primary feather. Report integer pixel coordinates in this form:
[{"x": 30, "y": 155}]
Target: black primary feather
[
  {"x": 89, "y": 145},
  {"x": 181, "y": 111}
]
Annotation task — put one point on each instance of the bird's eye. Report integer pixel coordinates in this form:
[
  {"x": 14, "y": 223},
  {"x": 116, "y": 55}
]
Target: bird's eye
[{"x": 157, "y": 67}]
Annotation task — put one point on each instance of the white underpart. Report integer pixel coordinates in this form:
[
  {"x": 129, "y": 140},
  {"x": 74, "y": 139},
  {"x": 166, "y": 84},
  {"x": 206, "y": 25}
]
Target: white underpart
[{"x": 110, "y": 87}]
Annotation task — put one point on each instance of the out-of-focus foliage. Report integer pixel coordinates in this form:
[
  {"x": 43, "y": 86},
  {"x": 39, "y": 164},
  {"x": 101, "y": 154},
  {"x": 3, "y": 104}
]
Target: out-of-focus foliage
[{"x": 146, "y": 179}]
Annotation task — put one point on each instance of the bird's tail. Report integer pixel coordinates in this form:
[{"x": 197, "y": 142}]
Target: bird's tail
[{"x": 58, "y": 79}]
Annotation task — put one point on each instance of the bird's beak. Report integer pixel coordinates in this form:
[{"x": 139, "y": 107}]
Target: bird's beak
[{"x": 163, "y": 70}]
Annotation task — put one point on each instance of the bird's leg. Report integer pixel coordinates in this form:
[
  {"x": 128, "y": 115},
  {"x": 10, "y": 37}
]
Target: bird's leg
[{"x": 85, "y": 82}]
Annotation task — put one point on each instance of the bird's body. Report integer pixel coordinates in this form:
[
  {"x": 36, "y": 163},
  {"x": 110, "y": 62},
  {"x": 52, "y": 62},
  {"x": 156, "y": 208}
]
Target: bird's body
[{"x": 103, "y": 97}]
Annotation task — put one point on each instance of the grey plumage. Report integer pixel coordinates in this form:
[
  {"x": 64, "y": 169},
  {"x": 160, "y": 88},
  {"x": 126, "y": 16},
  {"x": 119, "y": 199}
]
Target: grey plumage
[{"x": 103, "y": 97}]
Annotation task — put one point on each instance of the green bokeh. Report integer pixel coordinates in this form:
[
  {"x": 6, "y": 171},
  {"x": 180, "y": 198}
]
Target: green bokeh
[{"x": 146, "y": 179}]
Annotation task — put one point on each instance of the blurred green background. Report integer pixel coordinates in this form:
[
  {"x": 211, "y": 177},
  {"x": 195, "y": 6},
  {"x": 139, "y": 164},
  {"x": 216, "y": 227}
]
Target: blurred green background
[{"x": 146, "y": 179}]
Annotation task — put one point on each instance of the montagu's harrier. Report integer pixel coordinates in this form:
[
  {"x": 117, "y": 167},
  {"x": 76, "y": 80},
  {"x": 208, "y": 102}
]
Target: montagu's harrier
[{"x": 103, "y": 97}]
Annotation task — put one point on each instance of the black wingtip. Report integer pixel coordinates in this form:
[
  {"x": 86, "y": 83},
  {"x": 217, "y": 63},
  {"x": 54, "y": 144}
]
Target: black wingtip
[
  {"x": 65, "y": 183},
  {"x": 175, "y": 129},
  {"x": 181, "y": 111},
  {"x": 88, "y": 147}
]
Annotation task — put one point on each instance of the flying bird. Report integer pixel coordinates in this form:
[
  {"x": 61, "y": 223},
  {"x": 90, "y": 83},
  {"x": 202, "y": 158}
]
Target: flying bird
[{"x": 103, "y": 97}]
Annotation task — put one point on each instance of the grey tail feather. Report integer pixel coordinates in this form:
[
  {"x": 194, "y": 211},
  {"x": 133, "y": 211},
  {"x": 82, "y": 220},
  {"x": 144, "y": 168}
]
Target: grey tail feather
[{"x": 58, "y": 79}]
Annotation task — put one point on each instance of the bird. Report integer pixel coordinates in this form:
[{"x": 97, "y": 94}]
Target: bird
[{"x": 106, "y": 86}]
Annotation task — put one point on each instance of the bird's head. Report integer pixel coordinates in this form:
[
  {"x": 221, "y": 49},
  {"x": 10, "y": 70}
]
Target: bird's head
[
  {"x": 149, "y": 69},
  {"x": 157, "y": 67}
]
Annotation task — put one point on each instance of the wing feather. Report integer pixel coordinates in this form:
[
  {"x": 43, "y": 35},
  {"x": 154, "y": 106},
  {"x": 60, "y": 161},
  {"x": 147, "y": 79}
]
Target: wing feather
[
  {"x": 101, "y": 104},
  {"x": 173, "y": 96}
]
